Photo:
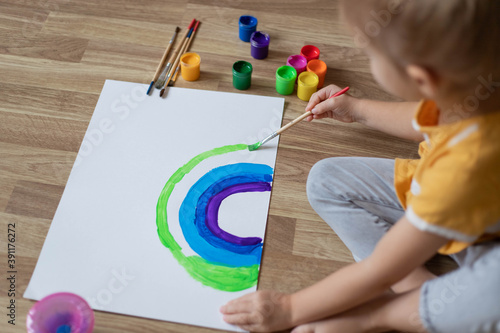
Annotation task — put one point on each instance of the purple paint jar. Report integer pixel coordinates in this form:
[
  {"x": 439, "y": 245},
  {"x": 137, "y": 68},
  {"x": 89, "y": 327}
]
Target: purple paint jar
[
  {"x": 298, "y": 62},
  {"x": 259, "y": 42},
  {"x": 248, "y": 25}
]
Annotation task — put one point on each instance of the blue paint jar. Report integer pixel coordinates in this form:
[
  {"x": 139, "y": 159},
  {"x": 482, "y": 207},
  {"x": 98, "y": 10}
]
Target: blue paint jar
[
  {"x": 248, "y": 25},
  {"x": 259, "y": 42}
]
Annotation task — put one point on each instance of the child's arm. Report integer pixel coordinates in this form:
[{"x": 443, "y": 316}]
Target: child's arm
[
  {"x": 398, "y": 253},
  {"x": 393, "y": 118}
]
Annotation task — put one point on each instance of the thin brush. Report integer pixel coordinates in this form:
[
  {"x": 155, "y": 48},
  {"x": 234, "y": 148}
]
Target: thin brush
[
  {"x": 176, "y": 62},
  {"x": 257, "y": 145},
  {"x": 162, "y": 61},
  {"x": 178, "y": 69},
  {"x": 161, "y": 81}
]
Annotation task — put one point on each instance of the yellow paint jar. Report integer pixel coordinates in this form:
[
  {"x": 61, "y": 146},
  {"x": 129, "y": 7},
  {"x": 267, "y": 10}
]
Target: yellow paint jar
[
  {"x": 190, "y": 66},
  {"x": 307, "y": 84}
]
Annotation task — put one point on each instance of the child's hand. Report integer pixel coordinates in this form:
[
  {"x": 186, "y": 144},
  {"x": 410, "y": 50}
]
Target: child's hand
[
  {"x": 339, "y": 108},
  {"x": 261, "y": 311}
]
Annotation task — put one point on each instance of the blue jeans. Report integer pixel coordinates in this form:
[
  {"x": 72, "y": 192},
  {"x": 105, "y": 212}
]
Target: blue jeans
[{"x": 356, "y": 197}]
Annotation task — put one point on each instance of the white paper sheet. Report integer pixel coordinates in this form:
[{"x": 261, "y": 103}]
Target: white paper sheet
[{"x": 103, "y": 243}]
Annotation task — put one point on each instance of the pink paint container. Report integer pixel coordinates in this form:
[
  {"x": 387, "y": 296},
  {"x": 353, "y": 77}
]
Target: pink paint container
[
  {"x": 298, "y": 62},
  {"x": 310, "y": 52},
  {"x": 259, "y": 42},
  {"x": 60, "y": 313}
]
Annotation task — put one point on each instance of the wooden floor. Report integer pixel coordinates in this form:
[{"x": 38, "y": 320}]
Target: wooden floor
[{"x": 54, "y": 58}]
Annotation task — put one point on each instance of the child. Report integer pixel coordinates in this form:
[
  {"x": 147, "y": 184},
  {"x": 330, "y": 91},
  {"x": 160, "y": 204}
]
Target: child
[{"x": 396, "y": 215}]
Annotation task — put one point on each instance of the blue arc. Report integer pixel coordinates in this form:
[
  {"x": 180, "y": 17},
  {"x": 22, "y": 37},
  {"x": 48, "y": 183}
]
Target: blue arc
[{"x": 193, "y": 214}]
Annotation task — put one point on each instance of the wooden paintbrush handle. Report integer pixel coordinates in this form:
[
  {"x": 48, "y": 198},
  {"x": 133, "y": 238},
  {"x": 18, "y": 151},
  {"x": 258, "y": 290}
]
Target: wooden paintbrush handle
[
  {"x": 173, "y": 56},
  {"x": 293, "y": 122},
  {"x": 162, "y": 62},
  {"x": 308, "y": 113},
  {"x": 176, "y": 62}
]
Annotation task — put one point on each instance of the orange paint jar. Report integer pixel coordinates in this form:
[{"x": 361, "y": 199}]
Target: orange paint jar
[
  {"x": 190, "y": 66},
  {"x": 319, "y": 68}
]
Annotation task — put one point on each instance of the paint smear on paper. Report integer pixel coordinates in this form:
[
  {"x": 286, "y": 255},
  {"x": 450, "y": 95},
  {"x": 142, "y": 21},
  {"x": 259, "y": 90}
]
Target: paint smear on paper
[{"x": 225, "y": 262}]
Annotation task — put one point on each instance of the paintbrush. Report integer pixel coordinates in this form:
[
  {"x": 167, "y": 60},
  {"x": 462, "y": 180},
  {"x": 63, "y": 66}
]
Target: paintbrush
[
  {"x": 178, "y": 69},
  {"x": 256, "y": 146},
  {"x": 161, "y": 81},
  {"x": 176, "y": 62},
  {"x": 162, "y": 61}
]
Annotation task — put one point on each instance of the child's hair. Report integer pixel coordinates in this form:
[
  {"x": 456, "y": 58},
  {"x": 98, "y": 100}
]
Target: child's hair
[{"x": 459, "y": 39}]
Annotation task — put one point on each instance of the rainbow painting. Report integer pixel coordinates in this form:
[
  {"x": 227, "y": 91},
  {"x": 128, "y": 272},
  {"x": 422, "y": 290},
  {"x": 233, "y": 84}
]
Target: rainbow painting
[
  {"x": 225, "y": 261},
  {"x": 165, "y": 211}
]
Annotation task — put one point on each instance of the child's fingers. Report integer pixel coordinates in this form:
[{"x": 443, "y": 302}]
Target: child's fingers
[
  {"x": 321, "y": 95},
  {"x": 241, "y": 319},
  {"x": 323, "y": 107},
  {"x": 317, "y": 97},
  {"x": 236, "y": 306},
  {"x": 303, "y": 329}
]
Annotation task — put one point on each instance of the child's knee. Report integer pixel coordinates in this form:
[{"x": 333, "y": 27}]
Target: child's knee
[
  {"x": 327, "y": 178},
  {"x": 316, "y": 188}
]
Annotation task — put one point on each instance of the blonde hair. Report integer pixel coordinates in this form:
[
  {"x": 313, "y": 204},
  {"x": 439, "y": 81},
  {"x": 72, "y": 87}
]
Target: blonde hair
[{"x": 459, "y": 39}]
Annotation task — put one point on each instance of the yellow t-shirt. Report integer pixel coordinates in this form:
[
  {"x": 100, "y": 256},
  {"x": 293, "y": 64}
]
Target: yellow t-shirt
[{"x": 453, "y": 190}]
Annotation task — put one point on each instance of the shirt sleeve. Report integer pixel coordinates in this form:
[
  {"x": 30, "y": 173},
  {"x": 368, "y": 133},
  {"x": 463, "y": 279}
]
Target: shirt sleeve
[{"x": 454, "y": 196}]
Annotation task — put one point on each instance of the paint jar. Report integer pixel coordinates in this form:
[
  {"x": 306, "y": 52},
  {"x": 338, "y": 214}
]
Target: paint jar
[
  {"x": 298, "y": 62},
  {"x": 307, "y": 85},
  {"x": 248, "y": 25},
  {"x": 60, "y": 313},
  {"x": 285, "y": 80},
  {"x": 310, "y": 52},
  {"x": 319, "y": 67},
  {"x": 190, "y": 66},
  {"x": 242, "y": 75},
  {"x": 259, "y": 42}
]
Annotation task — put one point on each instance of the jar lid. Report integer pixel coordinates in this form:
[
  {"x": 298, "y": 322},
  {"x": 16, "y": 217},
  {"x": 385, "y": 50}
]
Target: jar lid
[
  {"x": 259, "y": 39},
  {"x": 247, "y": 21}
]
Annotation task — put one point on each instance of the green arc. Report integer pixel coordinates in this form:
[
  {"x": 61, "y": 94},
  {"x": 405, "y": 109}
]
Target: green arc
[{"x": 220, "y": 277}]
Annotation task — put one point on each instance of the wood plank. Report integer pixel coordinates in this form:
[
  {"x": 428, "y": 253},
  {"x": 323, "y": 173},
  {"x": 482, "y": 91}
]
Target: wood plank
[
  {"x": 6, "y": 188},
  {"x": 104, "y": 29},
  {"x": 34, "y": 199},
  {"x": 45, "y": 46},
  {"x": 144, "y": 12},
  {"x": 314, "y": 239},
  {"x": 41, "y": 131},
  {"x": 34, "y": 165},
  {"x": 41, "y": 101},
  {"x": 279, "y": 234},
  {"x": 23, "y": 20},
  {"x": 288, "y": 273}
]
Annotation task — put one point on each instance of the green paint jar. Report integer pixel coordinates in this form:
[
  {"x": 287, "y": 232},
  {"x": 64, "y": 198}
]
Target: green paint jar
[
  {"x": 285, "y": 80},
  {"x": 242, "y": 75}
]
